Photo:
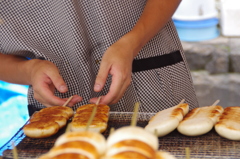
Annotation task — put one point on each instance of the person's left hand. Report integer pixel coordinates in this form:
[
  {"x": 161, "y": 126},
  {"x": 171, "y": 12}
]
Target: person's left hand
[{"x": 116, "y": 61}]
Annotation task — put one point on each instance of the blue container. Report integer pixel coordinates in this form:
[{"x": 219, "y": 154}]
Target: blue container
[{"x": 197, "y": 30}]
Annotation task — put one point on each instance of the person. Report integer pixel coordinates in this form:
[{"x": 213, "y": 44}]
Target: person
[{"x": 125, "y": 51}]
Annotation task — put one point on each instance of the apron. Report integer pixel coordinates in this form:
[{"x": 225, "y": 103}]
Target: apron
[{"x": 74, "y": 34}]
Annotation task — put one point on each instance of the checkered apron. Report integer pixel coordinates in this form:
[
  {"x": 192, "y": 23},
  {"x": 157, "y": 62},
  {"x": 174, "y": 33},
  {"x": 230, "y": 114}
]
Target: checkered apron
[{"x": 74, "y": 34}]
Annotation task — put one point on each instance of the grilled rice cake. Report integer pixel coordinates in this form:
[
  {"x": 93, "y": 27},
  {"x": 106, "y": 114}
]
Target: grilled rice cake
[
  {"x": 58, "y": 109},
  {"x": 47, "y": 121},
  {"x": 83, "y": 113},
  {"x": 41, "y": 129},
  {"x": 228, "y": 125},
  {"x": 200, "y": 120},
  {"x": 167, "y": 120}
]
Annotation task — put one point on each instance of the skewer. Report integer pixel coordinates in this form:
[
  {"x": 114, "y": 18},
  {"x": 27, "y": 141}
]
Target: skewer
[
  {"x": 156, "y": 132},
  {"x": 187, "y": 151},
  {"x": 64, "y": 105},
  {"x": 14, "y": 150},
  {"x": 69, "y": 99},
  {"x": 68, "y": 128},
  {"x": 111, "y": 130},
  {"x": 91, "y": 117},
  {"x": 134, "y": 117},
  {"x": 99, "y": 98},
  {"x": 93, "y": 113},
  {"x": 216, "y": 102},
  {"x": 182, "y": 101}
]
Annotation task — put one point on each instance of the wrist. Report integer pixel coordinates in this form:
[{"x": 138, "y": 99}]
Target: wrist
[
  {"x": 26, "y": 68},
  {"x": 133, "y": 41}
]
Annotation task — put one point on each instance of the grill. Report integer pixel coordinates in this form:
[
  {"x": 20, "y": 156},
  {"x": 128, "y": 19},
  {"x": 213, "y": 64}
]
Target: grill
[{"x": 209, "y": 145}]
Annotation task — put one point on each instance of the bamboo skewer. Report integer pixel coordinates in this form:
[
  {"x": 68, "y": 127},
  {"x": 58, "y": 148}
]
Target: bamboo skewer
[
  {"x": 69, "y": 99},
  {"x": 68, "y": 128},
  {"x": 187, "y": 151},
  {"x": 111, "y": 131},
  {"x": 91, "y": 117},
  {"x": 14, "y": 150},
  {"x": 64, "y": 105},
  {"x": 182, "y": 101},
  {"x": 93, "y": 114},
  {"x": 156, "y": 132},
  {"x": 216, "y": 102},
  {"x": 135, "y": 113},
  {"x": 97, "y": 103}
]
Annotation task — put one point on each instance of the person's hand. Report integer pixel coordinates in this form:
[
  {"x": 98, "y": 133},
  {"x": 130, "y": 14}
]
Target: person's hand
[
  {"x": 45, "y": 79},
  {"x": 116, "y": 61}
]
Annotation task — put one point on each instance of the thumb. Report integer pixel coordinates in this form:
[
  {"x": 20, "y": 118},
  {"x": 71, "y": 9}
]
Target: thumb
[
  {"x": 58, "y": 82},
  {"x": 101, "y": 78}
]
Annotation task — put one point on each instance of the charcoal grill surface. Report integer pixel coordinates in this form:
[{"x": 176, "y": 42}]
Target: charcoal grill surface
[{"x": 209, "y": 145}]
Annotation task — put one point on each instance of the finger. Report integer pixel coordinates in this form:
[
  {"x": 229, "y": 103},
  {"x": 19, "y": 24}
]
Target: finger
[
  {"x": 44, "y": 93},
  {"x": 94, "y": 100},
  {"x": 101, "y": 76},
  {"x": 107, "y": 98},
  {"x": 49, "y": 99},
  {"x": 57, "y": 81},
  {"x": 75, "y": 99},
  {"x": 116, "y": 91},
  {"x": 111, "y": 98}
]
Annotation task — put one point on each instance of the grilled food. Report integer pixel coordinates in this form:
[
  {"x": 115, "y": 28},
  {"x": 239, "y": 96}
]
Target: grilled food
[
  {"x": 164, "y": 155},
  {"x": 99, "y": 123},
  {"x": 200, "y": 120},
  {"x": 82, "y": 145},
  {"x": 55, "y": 110},
  {"x": 229, "y": 123},
  {"x": 65, "y": 156},
  {"x": 131, "y": 141},
  {"x": 41, "y": 129},
  {"x": 93, "y": 138},
  {"x": 167, "y": 120},
  {"x": 58, "y": 119},
  {"x": 47, "y": 121}
]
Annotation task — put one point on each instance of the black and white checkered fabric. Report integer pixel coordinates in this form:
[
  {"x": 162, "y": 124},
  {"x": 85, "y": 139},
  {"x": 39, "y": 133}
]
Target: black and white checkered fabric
[{"x": 74, "y": 35}]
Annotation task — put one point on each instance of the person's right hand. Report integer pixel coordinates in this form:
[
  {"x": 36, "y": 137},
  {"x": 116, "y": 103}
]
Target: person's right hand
[{"x": 45, "y": 79}]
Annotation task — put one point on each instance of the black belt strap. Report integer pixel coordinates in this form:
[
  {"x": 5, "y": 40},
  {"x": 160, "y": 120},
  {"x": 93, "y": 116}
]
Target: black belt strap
[{"x": 157, "y": 61}]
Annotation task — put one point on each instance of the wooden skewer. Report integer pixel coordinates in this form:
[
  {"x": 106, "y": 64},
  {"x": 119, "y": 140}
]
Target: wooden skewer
[
  {"x": 216, "y": 102},
  {"x": 93, "y": 114},
  {"x": 111, "y": 130},
  {"x": 69, "y": 99},
  {"x": 68, "y": 128},
  {"x": 99, "y": 98},
  {"x": 91, "y": 117},
  {"x": 134, "y": 117},
  {"x": 187, "y": 151},
  {"x": 14, "y": 150},
  {"x": 155, "y": 132},
  {"x": 182, "y": 101}
]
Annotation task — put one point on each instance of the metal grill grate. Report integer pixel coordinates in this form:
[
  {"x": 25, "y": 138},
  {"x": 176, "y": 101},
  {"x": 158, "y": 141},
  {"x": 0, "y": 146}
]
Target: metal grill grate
[{"x": 210, "y": 145}]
